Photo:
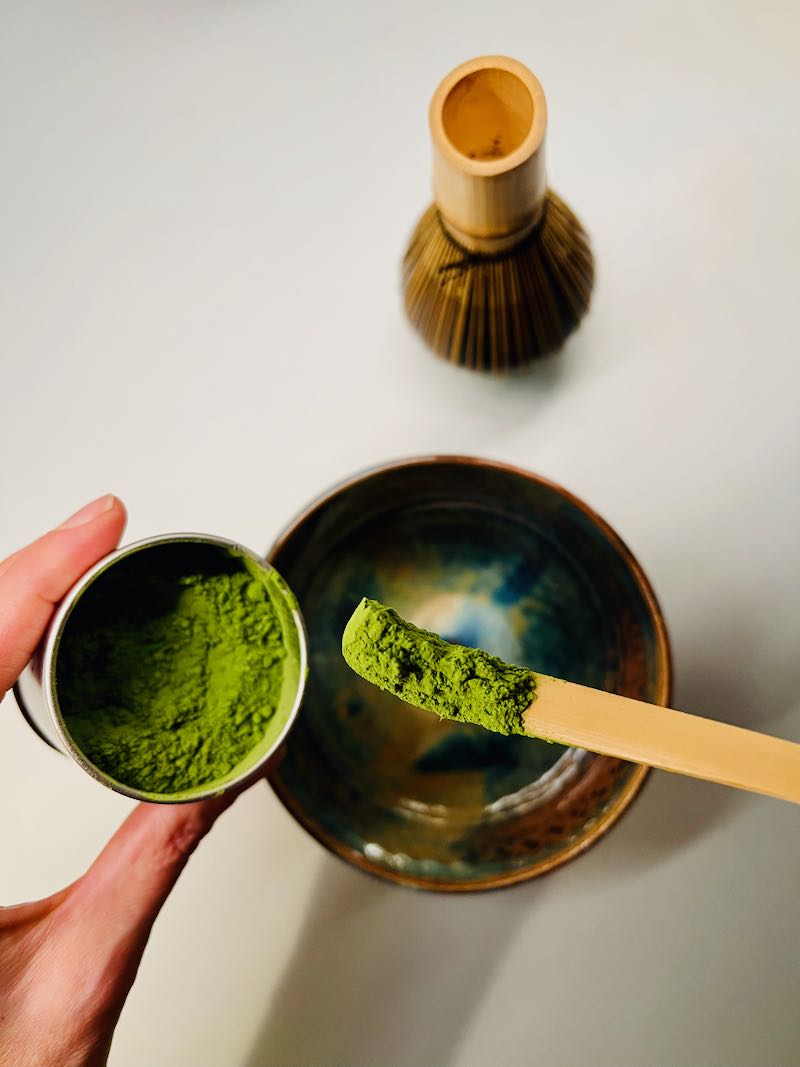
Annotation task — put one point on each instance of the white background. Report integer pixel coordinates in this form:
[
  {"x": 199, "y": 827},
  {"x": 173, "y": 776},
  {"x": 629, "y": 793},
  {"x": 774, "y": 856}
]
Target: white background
[{"x": 202, "y": 210}]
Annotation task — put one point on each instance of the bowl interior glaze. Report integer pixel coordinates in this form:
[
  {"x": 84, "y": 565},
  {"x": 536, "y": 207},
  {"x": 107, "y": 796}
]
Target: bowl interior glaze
[{"x": 488, "y": 556}]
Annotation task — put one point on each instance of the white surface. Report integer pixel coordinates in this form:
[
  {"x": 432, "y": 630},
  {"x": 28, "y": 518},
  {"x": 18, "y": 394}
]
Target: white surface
[{"x": 202, "y": 210}]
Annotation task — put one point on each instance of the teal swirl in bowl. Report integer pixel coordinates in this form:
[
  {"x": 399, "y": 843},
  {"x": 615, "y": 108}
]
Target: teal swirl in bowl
[{"x": 490, "y": 556}]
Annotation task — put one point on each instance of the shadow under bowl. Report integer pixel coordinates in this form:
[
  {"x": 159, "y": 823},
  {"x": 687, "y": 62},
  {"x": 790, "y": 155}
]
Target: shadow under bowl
[{"x": 487, "y": 555}]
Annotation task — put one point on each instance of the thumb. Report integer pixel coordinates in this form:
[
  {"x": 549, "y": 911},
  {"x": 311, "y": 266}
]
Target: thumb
[
  {"x": 71, "y": 960},
  {"x": 34, "y": 579},
  {"x": 106, "y": 916},
  {"x": 135, "y": 872}
]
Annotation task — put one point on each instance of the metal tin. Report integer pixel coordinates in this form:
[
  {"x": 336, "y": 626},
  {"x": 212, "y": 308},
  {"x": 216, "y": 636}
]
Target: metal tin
[{"x": 37, "y": 697}]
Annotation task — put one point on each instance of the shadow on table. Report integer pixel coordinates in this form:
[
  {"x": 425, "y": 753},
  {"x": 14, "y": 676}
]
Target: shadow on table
[
  {"x": 406, "y": 970},
  {"x": 491, "y": 404}
]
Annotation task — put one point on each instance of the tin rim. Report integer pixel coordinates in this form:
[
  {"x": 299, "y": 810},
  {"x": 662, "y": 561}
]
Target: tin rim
[{"x": 55, "y": 634}]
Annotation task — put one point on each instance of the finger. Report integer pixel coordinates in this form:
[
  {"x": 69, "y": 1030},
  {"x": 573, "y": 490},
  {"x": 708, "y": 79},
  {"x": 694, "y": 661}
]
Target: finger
[
  {"x": 7, "y": 562},
  {"x": 74, "y": 957},
  {"x": 37, "y": 577},
  {"x": 82, "y": 517},
  {"x": 141, "y": 863},
  {"x": 107, "y": 914}
]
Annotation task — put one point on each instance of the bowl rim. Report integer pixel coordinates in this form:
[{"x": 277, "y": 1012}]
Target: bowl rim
[{"x": 640, "y": 771}]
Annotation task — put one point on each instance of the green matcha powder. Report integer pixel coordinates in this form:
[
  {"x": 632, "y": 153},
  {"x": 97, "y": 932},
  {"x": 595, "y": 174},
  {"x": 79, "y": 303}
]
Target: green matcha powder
[
  {"x": 454, "y": 682},
  {"x": 166, "y": 681}
]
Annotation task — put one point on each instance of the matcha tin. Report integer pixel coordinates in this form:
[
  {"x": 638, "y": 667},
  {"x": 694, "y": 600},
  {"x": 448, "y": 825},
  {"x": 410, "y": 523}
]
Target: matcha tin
[{"x": 172, "y": 671}]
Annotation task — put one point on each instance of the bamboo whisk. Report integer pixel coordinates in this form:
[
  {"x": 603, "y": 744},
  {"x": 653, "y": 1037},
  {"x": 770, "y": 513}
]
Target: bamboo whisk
[{"x": 499, "y": 271}]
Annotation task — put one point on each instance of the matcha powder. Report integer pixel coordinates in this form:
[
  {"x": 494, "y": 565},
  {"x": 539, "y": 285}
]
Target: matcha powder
[
  {"x": 454, "y": 682},
  {"x": 166, "y": 681}
]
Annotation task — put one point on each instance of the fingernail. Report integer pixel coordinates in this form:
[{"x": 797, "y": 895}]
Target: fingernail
[{"x": 90, "y": 512}]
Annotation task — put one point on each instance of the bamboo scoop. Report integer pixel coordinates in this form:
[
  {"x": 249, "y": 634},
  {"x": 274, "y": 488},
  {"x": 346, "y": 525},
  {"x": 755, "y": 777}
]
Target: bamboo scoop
[{"x": 469, "y": 685}]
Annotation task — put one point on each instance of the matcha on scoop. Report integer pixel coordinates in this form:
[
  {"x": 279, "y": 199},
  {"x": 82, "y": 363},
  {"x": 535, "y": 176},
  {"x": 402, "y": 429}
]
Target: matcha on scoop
[
  {"x": 452, "y": 681},
  {"x": 471, "y": 686}
]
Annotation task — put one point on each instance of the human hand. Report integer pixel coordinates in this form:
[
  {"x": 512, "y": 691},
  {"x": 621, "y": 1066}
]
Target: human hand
[{"x": 68, "y": 962}]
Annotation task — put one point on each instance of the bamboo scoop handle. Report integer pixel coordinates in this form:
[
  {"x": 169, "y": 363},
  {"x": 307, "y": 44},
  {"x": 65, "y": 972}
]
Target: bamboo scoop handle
[
  {"x": 672, "y": 740},
  {"x": 488, "y": 119}
]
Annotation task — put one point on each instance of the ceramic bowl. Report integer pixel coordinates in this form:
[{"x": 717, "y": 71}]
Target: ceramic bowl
[{"x": 491, "y": 556}]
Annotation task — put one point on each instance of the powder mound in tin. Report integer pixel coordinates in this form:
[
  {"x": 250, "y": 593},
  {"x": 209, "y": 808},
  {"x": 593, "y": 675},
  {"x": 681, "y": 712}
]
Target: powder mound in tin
[
  {"x": 166, "y": 683},
  {"x": 454, "y": 682}
]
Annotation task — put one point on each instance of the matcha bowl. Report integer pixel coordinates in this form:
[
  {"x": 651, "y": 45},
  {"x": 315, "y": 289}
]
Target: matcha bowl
[
  {"x": 490, "y": 556},
  {"x": 172, "y": 671}
]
